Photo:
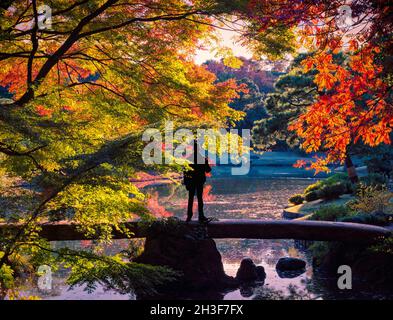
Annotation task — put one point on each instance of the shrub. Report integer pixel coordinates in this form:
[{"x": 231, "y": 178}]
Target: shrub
[
  {"x": 333, "y": 191},
  {"x": 350, "y": 187},
  {"x": 372, "y": 198},
  {"x": 331, "y": 213},
  {"x": 296, "y": 199},
  {"x": 319, "y": 250},
  {"x": 313, "y": 187},
  {"x": 381, "y": 164},
  {"x": 312, "y": 195},
  {"x": 374, "y": 179},
  {"x": 167, "y": 226},
  {"x": 385, "y": 247},
  {"x": 338, "y": 178},
  {"x": 376, "y": 218}
]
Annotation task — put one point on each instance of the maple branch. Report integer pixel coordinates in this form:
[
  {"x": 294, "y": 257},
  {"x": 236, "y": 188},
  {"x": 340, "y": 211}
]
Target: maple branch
[
  {"x": 118, "y": 94},
  {"x": 34, "y": 42},
  {"x": 7, "y": 150},
  {"x": 54, "y": 58},
  {"x": 18, "y": 124},
  {"x": 76, "y": 35},
  {"x": 71, "y": 7},
  {"x": 20, "y": 54},
  {"x": 146, "y": 20}
]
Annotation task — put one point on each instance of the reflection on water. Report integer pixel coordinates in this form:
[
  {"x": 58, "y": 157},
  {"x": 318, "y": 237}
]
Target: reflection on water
[
  {"x": 265, "y": 253},
  {"x": 231, "y": 198},
  {"x": 252, "y": 198}
]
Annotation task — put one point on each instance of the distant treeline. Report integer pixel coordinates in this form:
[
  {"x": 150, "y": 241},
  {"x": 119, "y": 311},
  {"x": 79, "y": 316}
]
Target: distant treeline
[{"x": 259, "y": 76}]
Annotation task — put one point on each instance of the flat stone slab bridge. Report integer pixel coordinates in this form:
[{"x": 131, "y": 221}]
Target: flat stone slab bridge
[{"x": 241, "y": 229}]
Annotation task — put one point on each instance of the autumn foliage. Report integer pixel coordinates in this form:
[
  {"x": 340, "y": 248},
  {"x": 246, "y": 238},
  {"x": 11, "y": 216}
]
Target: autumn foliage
[
  {"x": 354, "y": 103},
  {"x": 81, "y": 92},
  {"x": 351, "y": 106}
]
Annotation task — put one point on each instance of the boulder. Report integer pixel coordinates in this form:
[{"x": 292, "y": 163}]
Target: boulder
[
  {"x": 249, "y": 272},
  {"x": 290, "y": 274},
  {"x": 247, "y": 291},
  {"x": 198, "y": 261},
  {"x": 289, "y": 264},
  {"x": 261, "y": 273}
]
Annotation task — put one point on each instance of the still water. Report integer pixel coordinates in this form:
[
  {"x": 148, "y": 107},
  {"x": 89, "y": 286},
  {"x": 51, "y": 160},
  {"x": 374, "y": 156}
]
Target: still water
[{"x": 253, "y": 198}]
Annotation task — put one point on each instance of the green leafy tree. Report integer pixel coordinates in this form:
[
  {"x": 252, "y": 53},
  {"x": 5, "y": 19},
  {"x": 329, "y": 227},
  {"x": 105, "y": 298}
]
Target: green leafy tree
[
  {"x": 251, "y": 103},
  {"x": 83, "y": 92},
  {"x": 293, "y": 92}
]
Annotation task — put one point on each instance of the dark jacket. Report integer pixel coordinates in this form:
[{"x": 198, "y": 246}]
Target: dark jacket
[{"x": 197, "y": 174}]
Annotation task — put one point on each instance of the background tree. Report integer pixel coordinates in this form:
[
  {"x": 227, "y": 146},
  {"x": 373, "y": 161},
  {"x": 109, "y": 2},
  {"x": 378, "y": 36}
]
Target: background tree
[
  {"x": 354, "y": 100},
  {"x": 257, "y": 81},
  {"x": 263, "y": 72},
  {"x": 251, "y": 103},
  {"x": 293, "y": 93}
]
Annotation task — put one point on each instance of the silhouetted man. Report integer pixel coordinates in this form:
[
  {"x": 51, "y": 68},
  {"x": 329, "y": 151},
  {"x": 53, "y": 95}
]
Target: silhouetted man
[{"x": 194, "y": 180}]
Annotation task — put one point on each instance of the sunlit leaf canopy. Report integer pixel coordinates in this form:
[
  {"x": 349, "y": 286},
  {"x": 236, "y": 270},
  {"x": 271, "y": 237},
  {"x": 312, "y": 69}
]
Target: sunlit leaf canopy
[{"x": 84, "y": 90}]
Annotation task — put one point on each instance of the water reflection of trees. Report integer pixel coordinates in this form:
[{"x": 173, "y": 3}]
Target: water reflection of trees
[
  {"x": 233, "y": 250},
  {"x": 293, "y": 293},
  {"x": 233, "y": 198}
]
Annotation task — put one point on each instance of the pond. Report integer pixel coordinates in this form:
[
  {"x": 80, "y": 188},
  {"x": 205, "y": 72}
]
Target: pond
[{"x": 233, "y": 197}]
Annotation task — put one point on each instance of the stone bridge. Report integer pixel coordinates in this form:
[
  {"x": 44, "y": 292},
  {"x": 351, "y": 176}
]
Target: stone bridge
[{"x": 240, "y": 229}]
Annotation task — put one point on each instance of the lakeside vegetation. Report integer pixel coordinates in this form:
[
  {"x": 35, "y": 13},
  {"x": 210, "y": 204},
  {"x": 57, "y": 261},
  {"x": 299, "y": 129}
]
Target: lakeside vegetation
[{"x": 368, "y": 202}]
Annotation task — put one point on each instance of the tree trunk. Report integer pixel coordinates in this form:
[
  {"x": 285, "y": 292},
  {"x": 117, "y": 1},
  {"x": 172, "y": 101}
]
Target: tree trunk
[{"x": 351, "y": 170}]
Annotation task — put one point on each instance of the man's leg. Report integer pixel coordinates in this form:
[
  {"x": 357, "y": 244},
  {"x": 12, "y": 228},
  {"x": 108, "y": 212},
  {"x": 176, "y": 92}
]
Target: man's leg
[
  {"x": 191, "y": 194},
  {"x": 199, "y": 191}
]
